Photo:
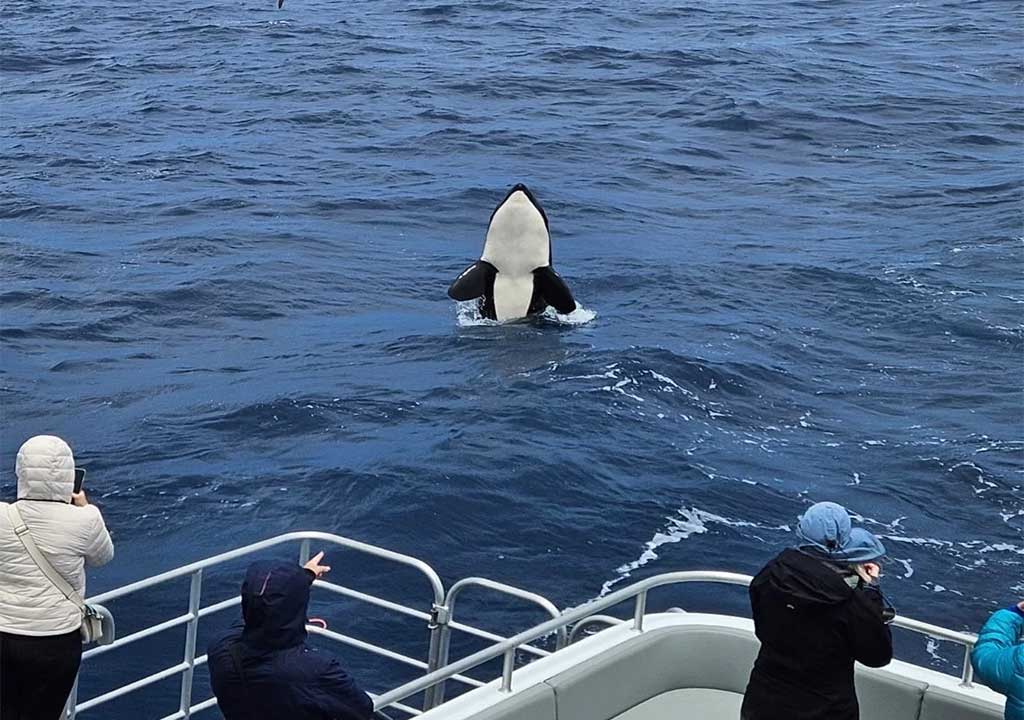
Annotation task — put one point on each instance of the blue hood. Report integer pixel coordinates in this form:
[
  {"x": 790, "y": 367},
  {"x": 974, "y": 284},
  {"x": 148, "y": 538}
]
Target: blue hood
[
  {"x": 825, "y": 529},
  {"x": 275, "y": 602}
]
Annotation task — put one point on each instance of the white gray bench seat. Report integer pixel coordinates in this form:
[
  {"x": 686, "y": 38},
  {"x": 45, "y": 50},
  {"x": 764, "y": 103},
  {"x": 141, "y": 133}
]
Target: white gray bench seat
[
  {"x": 692, "y": 669},
  {"x": 695, "y": 703}
]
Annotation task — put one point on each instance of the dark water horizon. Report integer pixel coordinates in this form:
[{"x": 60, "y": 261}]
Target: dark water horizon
[{"x": 796, "y": 229}]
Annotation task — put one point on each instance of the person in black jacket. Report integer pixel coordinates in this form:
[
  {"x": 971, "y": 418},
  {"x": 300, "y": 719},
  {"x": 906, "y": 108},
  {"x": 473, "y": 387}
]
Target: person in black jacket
[
  {"x": 265, "y": 670},
  {"x": 817, "y": 609}
]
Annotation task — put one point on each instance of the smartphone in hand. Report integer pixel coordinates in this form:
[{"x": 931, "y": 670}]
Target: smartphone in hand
[{"x": 79, "y": 480}]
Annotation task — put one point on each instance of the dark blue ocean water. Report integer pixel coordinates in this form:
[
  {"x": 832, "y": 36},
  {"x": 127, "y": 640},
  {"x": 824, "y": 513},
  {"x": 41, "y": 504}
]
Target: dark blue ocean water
[{"x": 227, "y": 231}]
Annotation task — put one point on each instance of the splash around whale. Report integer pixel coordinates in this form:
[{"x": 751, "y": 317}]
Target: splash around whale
[{"x": 468, "y": 315}]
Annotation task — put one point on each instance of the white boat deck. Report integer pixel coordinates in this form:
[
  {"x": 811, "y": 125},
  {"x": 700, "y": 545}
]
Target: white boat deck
[{"x": 690, "y": 665}]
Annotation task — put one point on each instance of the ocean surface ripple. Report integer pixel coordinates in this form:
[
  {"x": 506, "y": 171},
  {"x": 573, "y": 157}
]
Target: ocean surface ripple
[{"x": 796, "y": 228}]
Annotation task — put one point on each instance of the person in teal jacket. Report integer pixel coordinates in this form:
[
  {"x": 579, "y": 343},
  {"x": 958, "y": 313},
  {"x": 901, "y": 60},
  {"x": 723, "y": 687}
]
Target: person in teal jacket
[{"x": 998, "y": 658}]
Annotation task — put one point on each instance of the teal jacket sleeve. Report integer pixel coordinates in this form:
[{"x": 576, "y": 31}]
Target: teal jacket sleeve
[{"x": 998, "y": 658}]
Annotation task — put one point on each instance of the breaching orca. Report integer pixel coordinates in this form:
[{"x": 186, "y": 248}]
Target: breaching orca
[{"x": 514, "y": 278}]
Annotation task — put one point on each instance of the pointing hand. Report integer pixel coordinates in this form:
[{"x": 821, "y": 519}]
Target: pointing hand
[{"x": 315, "y": 567}]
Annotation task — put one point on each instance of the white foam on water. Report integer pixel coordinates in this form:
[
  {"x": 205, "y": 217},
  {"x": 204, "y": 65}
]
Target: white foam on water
[
  {"x": 919, "y": 541},
  {"x": 607, "y": 375},
  {"x": 686, "y": 523},
  {"x": 932, "y": 647},
  {"x": 620, "y": 386},
  {"x": 665, "y": 379},
  {"x": 891, "y": 526},
  {"x": 626, "y": 386},
  {"x": 670, "y": 385},
  {"x": 467, "y": 314},
  {"x": 984, "y": 484},
  {"x": 579, "y": 316},
  {"x": 690, "y": 522},
  {"x": 979, "y": 546},
  {"x": 906, "y": 565},
  {"x": 936, "y": 588},
  {"x": 1002, "y": 547}
]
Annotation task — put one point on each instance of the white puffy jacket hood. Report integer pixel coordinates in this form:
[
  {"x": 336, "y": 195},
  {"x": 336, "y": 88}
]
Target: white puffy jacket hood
[
  {"x": 45, "y": 469},
  {"x": 70, "y": 537}
]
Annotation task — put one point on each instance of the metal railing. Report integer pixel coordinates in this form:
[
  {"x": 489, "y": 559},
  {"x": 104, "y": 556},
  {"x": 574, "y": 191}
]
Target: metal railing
[
  {"x": 437, "y": 616},
  {"x": 436, "y": 692},
  {"x": 605, "y": 621},
  {"x": 637, "y": 592}
]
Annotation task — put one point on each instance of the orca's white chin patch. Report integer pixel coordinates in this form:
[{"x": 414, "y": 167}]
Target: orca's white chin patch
[{"x": 517, "y": 239}]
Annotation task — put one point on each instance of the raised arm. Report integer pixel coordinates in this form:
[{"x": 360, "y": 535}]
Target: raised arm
[
  {"x": 870, "y": 637},
  {"x": 99, "y": 548}
]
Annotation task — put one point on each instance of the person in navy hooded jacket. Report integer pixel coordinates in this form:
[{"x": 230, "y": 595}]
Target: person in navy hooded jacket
[{"x": 265, "y": 670}]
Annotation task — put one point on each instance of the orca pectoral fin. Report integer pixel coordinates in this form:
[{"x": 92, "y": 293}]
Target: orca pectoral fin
[
  {"x": 473, "y": 282},
  {"x": 554, "y": 290}
]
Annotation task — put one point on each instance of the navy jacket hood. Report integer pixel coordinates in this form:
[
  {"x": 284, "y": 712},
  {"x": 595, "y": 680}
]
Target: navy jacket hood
[
  {"x": 265, "y": 671},
  {"x": 275, "y": 604}
]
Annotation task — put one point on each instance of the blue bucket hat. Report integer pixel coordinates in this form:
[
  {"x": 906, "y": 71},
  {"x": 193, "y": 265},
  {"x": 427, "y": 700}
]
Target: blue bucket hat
[
  {"x": 863, "y": 547},
  {"x": 826, "y": 528}
]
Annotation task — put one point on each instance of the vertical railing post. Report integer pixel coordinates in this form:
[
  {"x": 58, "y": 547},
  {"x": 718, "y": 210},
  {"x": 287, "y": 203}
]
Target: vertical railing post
[
  {"x": 437, "y": 654},
  {"x": 507, "y": 666},
  {"x": 191, "y": 631},
  {"x": 304, "y": 552},
  {"x": 967, "y": 677},
  {"x": 70, "y": 709},
  {"x": 641, "y": 609}
]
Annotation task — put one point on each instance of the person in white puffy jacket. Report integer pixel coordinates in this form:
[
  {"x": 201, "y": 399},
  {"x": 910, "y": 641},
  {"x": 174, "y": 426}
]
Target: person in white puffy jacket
[{"x": 40, "y": 643}]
